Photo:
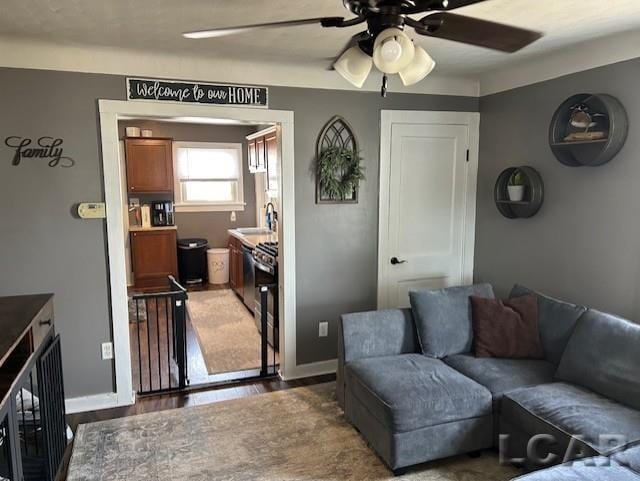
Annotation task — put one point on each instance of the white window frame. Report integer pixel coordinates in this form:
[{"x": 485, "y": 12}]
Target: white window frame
[{"x": 181, "y": 206}]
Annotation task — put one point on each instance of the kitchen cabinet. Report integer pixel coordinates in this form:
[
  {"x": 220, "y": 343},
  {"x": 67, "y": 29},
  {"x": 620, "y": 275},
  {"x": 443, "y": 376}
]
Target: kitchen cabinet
[
  {"x": 149, "y": 165},
  {"x": 262, "y": 163},
  {"x": 154, "y": 257},
  {"x": 236, "y": 274},
  {"x": 33, "y": 435},
  {"x": 271, "y": 152},
  {"x": 252, "y": 155},
  {"x": 260, "y": 146}
]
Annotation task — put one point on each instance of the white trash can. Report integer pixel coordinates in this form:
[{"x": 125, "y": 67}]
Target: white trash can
[{"x": 218, "y": 265}]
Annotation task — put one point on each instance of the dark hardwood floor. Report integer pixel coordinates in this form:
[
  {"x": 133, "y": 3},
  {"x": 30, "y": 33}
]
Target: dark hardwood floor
[{"x": 162, "y": 402}]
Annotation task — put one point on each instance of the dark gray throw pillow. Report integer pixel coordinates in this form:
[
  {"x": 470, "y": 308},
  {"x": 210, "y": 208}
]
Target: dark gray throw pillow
[
  {"x": 444, "y": 320},
  {"x": 556, "y": 320},
  {"x": 603, "y": 355}
]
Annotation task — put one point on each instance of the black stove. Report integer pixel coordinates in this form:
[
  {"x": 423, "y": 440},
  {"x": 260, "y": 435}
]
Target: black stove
[
  {"x": 265, "y": 256},
  {"x": 265, "y": 260}
]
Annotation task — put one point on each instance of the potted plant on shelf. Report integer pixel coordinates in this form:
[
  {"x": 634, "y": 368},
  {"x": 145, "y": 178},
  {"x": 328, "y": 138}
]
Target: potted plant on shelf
[{"x": 515, "y": 186}]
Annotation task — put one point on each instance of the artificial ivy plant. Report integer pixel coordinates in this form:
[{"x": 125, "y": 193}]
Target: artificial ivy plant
[{"x": 339, "y": 172}]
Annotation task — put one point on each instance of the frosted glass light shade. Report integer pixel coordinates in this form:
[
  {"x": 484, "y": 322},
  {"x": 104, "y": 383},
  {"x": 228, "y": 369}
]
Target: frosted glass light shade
[
  {"x": 354, "y": 65},
  {"x": 396, "y": 64},
  {"x": 421, "y": 66}
]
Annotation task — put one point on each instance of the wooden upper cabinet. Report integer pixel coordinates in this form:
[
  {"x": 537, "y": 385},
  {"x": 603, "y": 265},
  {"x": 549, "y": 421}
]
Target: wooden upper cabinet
[
  {"x": 149, "y": 165},
  {"x": 253, "y": 155},
  {"x": 262, "y": 161},
  {"x": 271, "y": 148},
  {"x": 259, "y": 146}
]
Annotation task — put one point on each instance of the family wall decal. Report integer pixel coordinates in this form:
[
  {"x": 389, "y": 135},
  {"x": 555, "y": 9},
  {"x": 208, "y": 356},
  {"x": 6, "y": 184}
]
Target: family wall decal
[{"x": 47, "y": 148}]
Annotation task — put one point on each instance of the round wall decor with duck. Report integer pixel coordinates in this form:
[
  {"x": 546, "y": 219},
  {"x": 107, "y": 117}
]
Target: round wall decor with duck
[
  {"x": 588, "y": 130},
  {"x": 339, "y": 169}
]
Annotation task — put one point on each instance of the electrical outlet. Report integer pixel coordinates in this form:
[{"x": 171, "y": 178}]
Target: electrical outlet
[
  {"x": 233, "y": 216},
  {"x": 323, "y": 329},
  {"x": 107, "y": 350}
]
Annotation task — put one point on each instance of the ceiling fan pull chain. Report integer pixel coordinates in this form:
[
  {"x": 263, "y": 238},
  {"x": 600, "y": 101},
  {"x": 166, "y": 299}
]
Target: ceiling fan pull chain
[{"x": 383, "y": 90}]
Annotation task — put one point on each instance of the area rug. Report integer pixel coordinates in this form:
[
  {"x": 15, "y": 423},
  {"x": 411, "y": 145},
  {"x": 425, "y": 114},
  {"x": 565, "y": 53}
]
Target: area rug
[
  {"x": 226, "y": 332},
  {"x": 298, "y": 434}
]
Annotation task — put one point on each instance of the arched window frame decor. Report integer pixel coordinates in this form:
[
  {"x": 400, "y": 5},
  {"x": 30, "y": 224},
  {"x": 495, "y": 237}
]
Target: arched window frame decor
[{"x": 336, "y": 133}]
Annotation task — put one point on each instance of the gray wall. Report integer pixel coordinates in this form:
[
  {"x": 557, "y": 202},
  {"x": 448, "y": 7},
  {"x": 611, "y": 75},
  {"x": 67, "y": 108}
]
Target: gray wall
[
  {"x": 46, "y": 249},
  {"x": 212, "y": 226},
  {"x": 583, "y": 244}
]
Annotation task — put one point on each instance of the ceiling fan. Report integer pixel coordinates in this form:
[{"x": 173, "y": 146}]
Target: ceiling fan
[{"x": 385, "y": 42}]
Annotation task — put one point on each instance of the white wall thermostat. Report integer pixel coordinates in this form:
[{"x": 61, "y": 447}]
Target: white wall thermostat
[{"x": 92, "y": 210}]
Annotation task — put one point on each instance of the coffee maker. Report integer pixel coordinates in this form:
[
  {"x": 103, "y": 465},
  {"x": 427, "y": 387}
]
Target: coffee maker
[{"x": 162, "y": 213}]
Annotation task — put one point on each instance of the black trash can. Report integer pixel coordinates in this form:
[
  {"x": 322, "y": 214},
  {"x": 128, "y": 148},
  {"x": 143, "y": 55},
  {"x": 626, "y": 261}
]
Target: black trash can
[{"x": 192, "y": 261}]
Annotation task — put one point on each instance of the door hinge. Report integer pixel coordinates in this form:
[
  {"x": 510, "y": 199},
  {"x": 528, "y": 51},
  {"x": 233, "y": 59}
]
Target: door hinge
[{"x": 467, "y": 155}]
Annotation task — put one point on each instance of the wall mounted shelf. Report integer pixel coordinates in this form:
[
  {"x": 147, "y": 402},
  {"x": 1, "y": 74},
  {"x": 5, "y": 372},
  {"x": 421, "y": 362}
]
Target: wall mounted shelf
[
  {"x": 611, "y": 118},
  {"x": 533, "y": 193}
]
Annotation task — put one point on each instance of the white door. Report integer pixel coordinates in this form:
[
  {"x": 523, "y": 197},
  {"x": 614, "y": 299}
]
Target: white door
[{"x": 427, "y": 202}]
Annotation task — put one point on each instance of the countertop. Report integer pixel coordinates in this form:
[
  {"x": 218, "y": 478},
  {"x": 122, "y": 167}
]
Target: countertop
[
  {"x": 251, "y": 240},
  {"x": 137, "y": 228}
]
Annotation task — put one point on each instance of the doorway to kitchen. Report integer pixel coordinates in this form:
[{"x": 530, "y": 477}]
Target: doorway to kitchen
[
  {"x": 202, "y": 203},
  {"x": 227, "y": 215}
]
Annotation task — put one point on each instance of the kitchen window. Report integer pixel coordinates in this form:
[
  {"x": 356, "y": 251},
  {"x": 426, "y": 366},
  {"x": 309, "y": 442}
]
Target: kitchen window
[{"x": 208, "y": 176}]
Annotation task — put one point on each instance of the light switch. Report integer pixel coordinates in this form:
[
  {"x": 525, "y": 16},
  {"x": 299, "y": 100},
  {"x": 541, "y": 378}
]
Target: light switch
[{"x": 233, "y": 216}]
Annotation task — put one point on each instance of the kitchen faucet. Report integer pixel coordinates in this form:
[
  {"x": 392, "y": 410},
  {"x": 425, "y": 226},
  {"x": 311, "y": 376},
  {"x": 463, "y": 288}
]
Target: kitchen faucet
[{"x": 271, "y": 216}]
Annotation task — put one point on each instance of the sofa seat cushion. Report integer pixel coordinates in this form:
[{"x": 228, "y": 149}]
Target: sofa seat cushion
[
  {"x": 574, "y": 412},
  {"x": 590, "y": 469},
  {"x": 412, "y": 391},
  {"x": 503, "y": 375},
  {"x": 603, "y": 355}
]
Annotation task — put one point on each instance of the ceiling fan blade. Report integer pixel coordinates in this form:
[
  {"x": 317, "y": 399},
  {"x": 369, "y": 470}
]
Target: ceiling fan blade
[
  {"x": 435, "y": 5},
  {"x": 453, "y": 4},
  {"x": 483, "y": 33},
  {"x": 224, "y": 31}
]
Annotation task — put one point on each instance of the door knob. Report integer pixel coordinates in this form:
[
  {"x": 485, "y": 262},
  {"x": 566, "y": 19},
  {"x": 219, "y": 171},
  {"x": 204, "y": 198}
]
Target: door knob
[{"x": 395, "y": 261}]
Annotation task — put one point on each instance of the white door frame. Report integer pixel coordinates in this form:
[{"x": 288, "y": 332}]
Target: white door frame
[
  {"x": 113, "y": 110},
  {"x": 387, "y": 119}
]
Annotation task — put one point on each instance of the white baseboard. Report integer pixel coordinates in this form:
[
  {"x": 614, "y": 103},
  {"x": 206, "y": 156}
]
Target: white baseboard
[
  {"x": 313, "y": 369},
  {"x": 96, "y": 402}
]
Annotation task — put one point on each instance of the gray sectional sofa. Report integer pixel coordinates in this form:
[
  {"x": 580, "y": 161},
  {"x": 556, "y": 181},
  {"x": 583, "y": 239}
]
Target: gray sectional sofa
[{"x": 408, "y": 381}]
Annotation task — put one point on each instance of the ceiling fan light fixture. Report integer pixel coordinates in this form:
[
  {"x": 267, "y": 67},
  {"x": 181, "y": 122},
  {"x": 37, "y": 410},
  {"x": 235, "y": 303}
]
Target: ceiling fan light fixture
[
  {"x": 421, "y": 66},
  {"x": 393, "y": 50},
  {"x": 354, "y": 65}
]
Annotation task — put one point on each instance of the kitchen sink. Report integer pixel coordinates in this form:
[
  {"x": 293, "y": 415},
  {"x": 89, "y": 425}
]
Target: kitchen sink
[{"x": 253, "y": 231}]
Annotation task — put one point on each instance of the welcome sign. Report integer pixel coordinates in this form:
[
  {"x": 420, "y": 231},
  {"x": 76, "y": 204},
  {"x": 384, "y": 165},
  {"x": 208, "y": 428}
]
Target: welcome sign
[{"x": 196, "y": 93}]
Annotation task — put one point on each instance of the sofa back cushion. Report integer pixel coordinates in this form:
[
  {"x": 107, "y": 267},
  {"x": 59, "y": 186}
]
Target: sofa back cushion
[
  {"x": 603, "y": 355},
  {"x": 376, "y": 333},
  {"x": 444, "y": 320},
  {"x": 556, "y": 320}
]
